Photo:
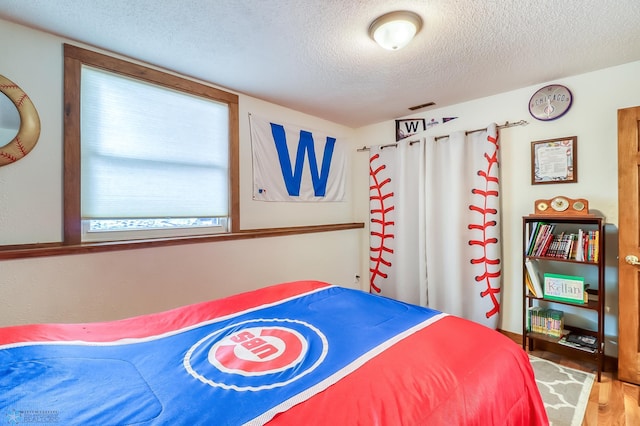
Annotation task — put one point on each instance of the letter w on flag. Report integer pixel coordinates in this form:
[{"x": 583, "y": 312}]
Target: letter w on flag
[{"x": 295, "y": 164}]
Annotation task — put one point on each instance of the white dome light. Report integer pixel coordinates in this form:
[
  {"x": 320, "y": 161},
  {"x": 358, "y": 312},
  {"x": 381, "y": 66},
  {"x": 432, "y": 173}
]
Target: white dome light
[{"x": 395, "y": 30}]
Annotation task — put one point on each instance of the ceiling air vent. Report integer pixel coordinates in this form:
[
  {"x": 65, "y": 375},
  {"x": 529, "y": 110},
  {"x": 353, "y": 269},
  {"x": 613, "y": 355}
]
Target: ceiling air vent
[{"x": 428, "y": 104}]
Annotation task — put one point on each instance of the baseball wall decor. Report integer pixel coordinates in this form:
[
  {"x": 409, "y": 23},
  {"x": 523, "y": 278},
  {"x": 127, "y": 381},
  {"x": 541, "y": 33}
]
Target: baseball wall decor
[{"x": 29, "y": 128}]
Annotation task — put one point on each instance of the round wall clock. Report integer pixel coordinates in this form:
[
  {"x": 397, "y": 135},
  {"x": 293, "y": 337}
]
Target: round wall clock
[
  {"x": 559, "y": 204},
  {"x": 550, "y": 102}
]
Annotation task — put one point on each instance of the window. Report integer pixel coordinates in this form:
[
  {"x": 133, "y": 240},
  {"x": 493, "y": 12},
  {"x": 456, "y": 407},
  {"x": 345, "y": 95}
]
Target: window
[{"x": 147, "y": 153}]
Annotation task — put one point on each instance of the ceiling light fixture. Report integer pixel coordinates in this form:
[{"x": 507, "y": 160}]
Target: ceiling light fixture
[{"x": 395, "y": 30}]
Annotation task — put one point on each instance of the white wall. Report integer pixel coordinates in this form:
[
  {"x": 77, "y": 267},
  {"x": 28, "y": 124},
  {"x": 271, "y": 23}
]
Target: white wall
[
  {"x": 114, "y": 285},
  {"x": 105, "y": 286},
  {"x": 592, "y": 118}
]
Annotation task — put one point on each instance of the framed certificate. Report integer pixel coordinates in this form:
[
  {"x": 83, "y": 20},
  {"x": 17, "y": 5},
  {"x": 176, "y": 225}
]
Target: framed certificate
[{"x": 554, "y": 161}]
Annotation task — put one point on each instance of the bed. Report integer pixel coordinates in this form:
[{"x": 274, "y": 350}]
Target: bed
[{"x": 295, "y": 353}]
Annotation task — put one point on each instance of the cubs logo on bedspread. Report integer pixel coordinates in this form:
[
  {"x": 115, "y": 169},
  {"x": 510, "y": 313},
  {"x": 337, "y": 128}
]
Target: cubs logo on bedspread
[
  {"x": 244, "y": 368},
  {"x": 253, "y": 355}
]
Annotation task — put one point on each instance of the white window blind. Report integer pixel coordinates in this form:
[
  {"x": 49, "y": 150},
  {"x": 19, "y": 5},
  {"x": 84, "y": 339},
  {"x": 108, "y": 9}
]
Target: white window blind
[{"x": 148, "y": 151}]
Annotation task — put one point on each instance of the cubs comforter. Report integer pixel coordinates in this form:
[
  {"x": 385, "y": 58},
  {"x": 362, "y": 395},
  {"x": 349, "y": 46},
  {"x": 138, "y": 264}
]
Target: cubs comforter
[{"x": 295, "y": 353}]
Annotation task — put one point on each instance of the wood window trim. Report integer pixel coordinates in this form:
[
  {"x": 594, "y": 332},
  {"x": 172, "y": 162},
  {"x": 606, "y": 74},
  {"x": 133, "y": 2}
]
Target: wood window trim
[
  {"x": 56, "y": 249},
  {"x": 74, "y": 58}
]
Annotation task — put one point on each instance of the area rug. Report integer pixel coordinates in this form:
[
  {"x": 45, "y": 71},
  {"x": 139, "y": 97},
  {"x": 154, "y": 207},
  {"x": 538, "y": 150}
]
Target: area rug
[{"x": 565, "y": 391}]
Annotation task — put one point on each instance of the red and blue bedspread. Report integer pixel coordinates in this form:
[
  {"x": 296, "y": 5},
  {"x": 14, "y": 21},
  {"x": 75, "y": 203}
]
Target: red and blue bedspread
[{"x": 295, "y": 353}]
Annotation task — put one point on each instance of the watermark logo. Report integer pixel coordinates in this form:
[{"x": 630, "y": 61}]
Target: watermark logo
[{"x": 27, "y": 417}]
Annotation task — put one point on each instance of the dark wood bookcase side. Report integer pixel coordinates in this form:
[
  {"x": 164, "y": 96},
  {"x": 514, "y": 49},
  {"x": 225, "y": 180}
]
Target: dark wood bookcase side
[{"x": 596, "y": 307}]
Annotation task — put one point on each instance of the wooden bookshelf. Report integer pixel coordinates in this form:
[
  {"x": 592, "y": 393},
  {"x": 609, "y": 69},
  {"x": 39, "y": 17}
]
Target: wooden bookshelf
[{"x": 565, "y": 260}]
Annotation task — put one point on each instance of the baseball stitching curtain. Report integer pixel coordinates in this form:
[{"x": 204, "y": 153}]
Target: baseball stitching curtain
[
  {"x": 397, "y": 260},
  {"x": 435, "y": 224}
]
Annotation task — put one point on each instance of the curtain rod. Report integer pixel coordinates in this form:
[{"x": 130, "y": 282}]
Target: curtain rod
[{"x": 502, "y": 126}]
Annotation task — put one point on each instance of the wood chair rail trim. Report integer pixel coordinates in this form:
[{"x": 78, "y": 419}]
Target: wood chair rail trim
[{"x": 58, "y": 248}]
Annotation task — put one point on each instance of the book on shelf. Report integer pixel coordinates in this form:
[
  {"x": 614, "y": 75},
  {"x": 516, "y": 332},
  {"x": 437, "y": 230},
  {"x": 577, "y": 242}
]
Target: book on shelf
[
  {"x": 552, "y": 249},
  {"x": 544, "y": 247},
  {"x": 596, "y": 243},
  {"x": 534, "y": 278},
  {"x": 541, "y": 234},
  {"x": 545, "y": 240},
  {"x": 554, "y": 322},
  {"x": 532, "y": 314},
  {"x": 582, "y": 246},
  {"x": 578, "y": 341},
  {"x": 588, "y": 246},
  {"x": 534, "y": 227},
  {"x": 549, "y": 322},
  {"x": 573, "y": 249},
  {"x": 530, "y": 289},
  {"x": 563, "y": 249},
  {"x": 583, "y": 340}
]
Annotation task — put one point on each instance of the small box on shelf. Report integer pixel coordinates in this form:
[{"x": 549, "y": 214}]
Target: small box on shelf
[
  {"x": 591, "y": 295},
  {"x": 564, "y": 288}
]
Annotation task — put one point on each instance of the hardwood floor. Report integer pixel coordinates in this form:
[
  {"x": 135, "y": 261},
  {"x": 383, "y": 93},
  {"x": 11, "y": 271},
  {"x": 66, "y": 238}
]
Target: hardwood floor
[{"x": 611, "y": 402}]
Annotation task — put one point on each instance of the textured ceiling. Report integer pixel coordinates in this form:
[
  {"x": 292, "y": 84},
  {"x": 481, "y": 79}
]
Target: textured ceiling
[{"x": 315, "y": 56}]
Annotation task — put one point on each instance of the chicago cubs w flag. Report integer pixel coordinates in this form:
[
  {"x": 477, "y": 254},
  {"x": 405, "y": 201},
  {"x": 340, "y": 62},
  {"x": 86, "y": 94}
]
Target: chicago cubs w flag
[{"x": 291, "y": 163}]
